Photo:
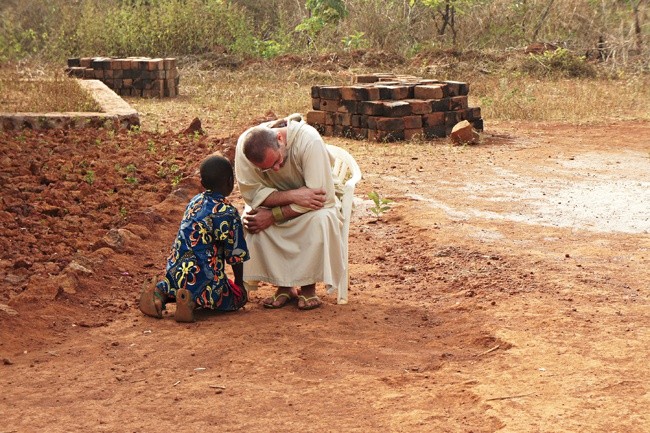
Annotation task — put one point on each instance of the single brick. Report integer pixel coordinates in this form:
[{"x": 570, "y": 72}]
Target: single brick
[
  {"x": 411, "y": 122},
  {"x": 169, "y": 63},
  {"x": 366, "y": 78},
  {"x": 477, "y": 124},
  {"x": 359, "y": 121},
  {"x": 443, "y": 104},
  {"x": 428, "y": 91},
  {"x": 401, "y": 92},
  {"x": 433, "y": 119},
  {"x": 343, "y": 119},
  {"x": 389, "y": 123},
  {"x": 354, "y": 93},
  {"x": 371, "y": 108},
  {"x": 316, "y": 117},
  {"x": 419, "y": 106},
  {"x": 396, "y": 109},
  {"x": 410, "y": 134},
  {"x": 349, "y": 107},
  {"x": 384, "y": 92},
  {"x": 315, "y": 103},
  {"x": 74, "y": 62},
  {"x": 458, "y": 88},
  {"x": 439, "y": 131},
  {"x": 458, "y": 102},
  {"x": 329, "y": 118},
  {"x": 452, "y": 118},
  {"x": 155, "y": 64},
  {"x": 331, "y": 105},
  {"x": 315, "y": 92},
  {"x": 330, "y": 92},
  {"x": 473, "y": 113}
]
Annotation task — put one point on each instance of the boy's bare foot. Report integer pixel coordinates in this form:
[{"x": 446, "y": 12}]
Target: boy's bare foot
[{"x": 184, "y": 306}]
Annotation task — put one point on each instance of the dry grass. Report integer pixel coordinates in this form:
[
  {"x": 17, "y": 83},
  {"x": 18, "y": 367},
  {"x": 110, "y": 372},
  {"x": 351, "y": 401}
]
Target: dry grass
[
  {"x": 227, "y": 100},
  {"x": 572, "y": 101},
  {"x": 56, "y": 93}
]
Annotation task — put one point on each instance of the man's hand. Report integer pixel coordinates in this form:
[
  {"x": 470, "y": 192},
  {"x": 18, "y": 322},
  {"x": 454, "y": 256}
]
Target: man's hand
[
  {"x": 311, "y": 198},
  {"x": 258, "y": 219}
]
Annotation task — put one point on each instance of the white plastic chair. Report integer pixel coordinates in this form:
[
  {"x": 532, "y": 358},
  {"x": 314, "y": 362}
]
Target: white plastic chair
[{"x": 346, "y": 170}]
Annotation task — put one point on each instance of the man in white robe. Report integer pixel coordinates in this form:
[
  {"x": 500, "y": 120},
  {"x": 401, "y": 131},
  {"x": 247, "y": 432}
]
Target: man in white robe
[{"x": 293, "y": 230}]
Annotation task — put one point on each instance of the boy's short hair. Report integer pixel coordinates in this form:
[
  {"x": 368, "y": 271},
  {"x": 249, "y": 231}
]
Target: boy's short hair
[{"x": 216, "y": 172}]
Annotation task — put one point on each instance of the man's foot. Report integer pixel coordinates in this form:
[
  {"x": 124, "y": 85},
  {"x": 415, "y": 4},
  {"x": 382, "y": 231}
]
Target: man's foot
[
  {"x": 281, "y": 298},
  {"x": 307, "y": 300},
  {"x": 309, "y": 303},
  {"x": 184, "y": 306},
  {"x": 152, "y": 300}
]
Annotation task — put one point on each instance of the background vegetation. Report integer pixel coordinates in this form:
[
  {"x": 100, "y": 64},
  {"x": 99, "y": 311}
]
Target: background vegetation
[
  {"x": 597, "y": 68},
  {"x": 615, "y": 30}
]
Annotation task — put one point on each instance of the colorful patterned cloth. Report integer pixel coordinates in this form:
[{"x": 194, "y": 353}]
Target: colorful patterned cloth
[{"x": 210, "y": 236}]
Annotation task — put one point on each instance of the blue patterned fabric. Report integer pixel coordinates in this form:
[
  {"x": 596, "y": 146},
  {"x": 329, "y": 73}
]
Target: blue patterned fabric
[{"x": 210, "y": 236}]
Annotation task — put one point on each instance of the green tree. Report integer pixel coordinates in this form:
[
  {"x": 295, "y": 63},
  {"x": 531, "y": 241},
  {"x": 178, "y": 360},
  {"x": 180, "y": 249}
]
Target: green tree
[{"x": 321, "y": 14}]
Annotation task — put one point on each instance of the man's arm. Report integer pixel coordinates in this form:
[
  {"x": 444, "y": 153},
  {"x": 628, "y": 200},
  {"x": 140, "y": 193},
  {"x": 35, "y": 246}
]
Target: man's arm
[{"x": 312, "y": 198}]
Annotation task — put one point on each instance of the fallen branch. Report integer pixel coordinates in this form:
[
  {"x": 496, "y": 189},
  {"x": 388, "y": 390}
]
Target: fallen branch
[
  {"x": 217, "y": 386},
  {"x": 489, "y": 350},
  {"x": 509, "y": 397}
]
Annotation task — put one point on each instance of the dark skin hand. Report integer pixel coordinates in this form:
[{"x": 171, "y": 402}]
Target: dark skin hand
[{"x": 261, "y": 218}]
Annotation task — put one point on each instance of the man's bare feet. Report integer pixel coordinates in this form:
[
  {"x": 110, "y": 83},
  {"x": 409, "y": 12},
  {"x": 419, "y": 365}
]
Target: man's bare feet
[
  {"x": 184, "y": 306},
  {"x": 307, "y": 300},
  {"x": 282, "y": 297}
]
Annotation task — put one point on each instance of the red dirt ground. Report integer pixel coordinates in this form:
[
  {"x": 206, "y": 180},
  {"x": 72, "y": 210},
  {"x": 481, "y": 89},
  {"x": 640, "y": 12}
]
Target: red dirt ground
[{"x": 505, "y": 290}]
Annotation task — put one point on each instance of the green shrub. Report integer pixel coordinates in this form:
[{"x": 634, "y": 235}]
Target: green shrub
[{"x": 560, "y": 62}]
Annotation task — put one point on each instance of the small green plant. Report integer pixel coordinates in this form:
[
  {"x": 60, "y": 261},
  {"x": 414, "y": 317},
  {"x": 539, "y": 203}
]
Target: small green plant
[
  {"x": 354, "y": 41},
  {"x": 89, "y": 177},
  {"x": 381, "y": 204},
  {"x": 130, "y": 174},
  {"x": 151, "y": 146},
  {"x": 124, "y": 212},
  {"x": 269, "y": 49}
]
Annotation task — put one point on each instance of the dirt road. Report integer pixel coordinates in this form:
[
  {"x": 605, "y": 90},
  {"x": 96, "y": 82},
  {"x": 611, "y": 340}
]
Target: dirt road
[{"x": 506, "y": 290}]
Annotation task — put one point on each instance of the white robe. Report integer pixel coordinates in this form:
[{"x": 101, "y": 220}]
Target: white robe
[{"x": 306, "y": 249}]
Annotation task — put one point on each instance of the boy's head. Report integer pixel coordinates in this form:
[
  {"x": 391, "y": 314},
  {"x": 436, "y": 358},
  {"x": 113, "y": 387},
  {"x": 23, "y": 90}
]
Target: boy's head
[{"x": 217, "y": 175}]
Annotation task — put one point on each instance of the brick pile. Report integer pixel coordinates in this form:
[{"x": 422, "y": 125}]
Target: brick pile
[
  {"x": 131, "y": 76},
  {"x": 388, "y": 107}
]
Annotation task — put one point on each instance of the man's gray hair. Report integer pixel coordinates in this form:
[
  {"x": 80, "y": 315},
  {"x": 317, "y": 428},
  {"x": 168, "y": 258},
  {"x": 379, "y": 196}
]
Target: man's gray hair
[{"x": 257, "y": 141}]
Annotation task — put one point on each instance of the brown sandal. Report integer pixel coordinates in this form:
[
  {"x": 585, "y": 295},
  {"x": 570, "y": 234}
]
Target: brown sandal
[{"x": 152, "y": 301}]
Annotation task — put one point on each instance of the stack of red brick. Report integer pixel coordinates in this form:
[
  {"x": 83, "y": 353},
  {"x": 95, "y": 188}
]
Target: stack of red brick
[
  {"x": 387, "y": 107},
  {"x": 131, "y": 76}
]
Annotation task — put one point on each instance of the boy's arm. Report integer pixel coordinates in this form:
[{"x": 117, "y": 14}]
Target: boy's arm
[{"x": 238, "y": 273}]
